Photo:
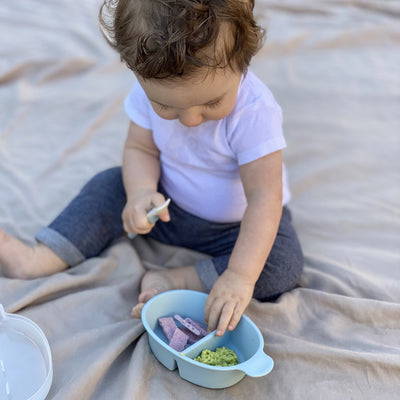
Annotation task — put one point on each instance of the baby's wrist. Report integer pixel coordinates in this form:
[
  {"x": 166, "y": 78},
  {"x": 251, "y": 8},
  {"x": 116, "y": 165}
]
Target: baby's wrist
[{"x": 240, "y": 276}]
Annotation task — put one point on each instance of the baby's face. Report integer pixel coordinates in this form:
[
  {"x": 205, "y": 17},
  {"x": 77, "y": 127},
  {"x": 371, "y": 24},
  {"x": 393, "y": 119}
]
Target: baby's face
[{"x": 194, "y": 100}]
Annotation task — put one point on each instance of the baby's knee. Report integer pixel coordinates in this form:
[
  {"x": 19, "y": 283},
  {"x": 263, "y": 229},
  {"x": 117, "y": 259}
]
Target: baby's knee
[
  {"x": 295, "y": 269},
  {"x": 107, "y": 178},
  {"x": 279, "y": 276},
  {"x": 106, "y": 184}
]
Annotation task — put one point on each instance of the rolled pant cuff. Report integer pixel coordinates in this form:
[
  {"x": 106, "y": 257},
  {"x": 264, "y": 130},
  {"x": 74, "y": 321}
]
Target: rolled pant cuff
[
  {"x": 60, "y": 245},
  {"x": 207, "y": 273}
]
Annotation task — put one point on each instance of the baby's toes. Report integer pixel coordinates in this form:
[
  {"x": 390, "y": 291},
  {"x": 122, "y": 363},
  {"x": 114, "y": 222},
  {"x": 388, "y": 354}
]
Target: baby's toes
[{"x": 137, "y": 310}]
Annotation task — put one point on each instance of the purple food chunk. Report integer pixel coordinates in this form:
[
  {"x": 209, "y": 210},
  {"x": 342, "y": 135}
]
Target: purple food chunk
[
  {"x": 198, "y": 325},
  {"x": 192, "y": 338},
  {"x": 187, "y": 324},
  {"x": 168, "y": 326},
  {"x": 179, "y": 340}
]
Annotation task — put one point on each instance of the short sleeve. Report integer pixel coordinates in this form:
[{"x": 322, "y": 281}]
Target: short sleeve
[
  {"x": 137, "y": 106},
  {"x": 255, "y": 125}
]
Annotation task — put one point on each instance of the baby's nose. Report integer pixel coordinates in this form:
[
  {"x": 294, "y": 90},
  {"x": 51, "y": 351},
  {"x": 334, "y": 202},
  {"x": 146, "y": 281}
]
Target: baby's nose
[{"x": 191, "y": 118}]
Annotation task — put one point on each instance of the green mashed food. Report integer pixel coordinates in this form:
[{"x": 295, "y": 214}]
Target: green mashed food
[{"x": 221, "y": 357}]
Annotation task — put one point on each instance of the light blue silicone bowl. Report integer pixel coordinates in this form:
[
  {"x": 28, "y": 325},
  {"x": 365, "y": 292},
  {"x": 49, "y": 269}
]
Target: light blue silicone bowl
[{"x": 246, "y": 340}]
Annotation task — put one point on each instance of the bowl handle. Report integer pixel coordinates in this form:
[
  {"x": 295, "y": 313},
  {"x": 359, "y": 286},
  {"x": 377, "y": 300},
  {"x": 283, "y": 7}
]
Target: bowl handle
[{"x": 258, "y": 365}]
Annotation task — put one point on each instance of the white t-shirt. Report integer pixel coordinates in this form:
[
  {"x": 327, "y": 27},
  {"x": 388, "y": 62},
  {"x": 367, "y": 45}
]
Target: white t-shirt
[{"x": 200, "y": 165}]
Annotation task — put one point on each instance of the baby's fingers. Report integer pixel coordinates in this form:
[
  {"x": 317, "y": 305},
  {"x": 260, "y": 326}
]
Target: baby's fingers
[
  {"x": 236, "y": 315},
  {"x": 160, "y": 209},
  {"x": 165, "y": 216},
  {"x": 212, "y": 312},
  {"x": 135, "y": 220},
  {"x": 218, "y": 314},
  {"x": 128, "y": 221},
  {"x": 225, "y": 317}
]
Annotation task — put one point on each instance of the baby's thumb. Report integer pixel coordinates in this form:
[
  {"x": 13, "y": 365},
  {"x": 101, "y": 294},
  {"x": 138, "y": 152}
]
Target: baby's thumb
[
  {"x": 165, "y": 217},
  {"x": 159, "y": 202}
]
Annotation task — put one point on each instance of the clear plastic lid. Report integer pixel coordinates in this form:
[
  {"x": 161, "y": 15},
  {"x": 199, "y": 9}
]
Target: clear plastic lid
[{"x": 26, "y": 369}]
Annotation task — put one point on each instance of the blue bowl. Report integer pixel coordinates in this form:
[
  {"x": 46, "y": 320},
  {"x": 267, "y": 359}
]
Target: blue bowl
[{"x": 246, "y": 340}]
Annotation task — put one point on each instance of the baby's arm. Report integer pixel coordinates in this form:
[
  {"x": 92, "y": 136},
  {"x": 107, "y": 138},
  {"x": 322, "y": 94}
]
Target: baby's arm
[
  {"x": 233, "y": 290},
  {"x": 140, "y": 172}
]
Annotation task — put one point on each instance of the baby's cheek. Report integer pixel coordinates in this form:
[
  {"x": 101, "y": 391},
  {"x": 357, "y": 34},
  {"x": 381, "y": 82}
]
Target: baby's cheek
[{"x": 167, "y": 115}]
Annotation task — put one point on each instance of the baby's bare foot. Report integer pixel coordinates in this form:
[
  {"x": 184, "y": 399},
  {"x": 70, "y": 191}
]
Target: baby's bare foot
[
  {"x": 17, "y": 260},
  {"x": 156, "y": 282}
]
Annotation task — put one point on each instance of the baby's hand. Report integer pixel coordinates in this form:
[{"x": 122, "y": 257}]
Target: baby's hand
[
  {"x": 228, "y": 299},
  {"x": 134, "y": 215}
]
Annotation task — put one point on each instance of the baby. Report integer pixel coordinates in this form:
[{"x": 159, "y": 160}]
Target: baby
[{"x": 205, "y": 132}]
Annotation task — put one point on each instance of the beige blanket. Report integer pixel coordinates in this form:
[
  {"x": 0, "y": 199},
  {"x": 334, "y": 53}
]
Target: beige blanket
[{"x": 334, "y": 67}]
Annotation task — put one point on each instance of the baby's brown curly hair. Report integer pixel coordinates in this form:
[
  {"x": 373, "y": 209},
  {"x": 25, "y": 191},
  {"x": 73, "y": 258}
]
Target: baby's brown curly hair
[{"x": 165, "y": 39}]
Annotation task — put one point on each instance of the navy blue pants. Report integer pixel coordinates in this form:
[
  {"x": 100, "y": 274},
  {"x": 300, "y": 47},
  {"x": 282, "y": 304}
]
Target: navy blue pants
[{"x": 93, "y": 220}]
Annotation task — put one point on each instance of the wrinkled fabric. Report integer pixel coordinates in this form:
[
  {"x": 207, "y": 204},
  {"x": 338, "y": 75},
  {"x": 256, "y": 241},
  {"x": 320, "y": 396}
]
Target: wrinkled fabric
[{"x": 333, "y": 67}]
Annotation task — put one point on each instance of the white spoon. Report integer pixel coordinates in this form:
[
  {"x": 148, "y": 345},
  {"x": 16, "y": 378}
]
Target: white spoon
[{"x": 153, "y": 215}]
